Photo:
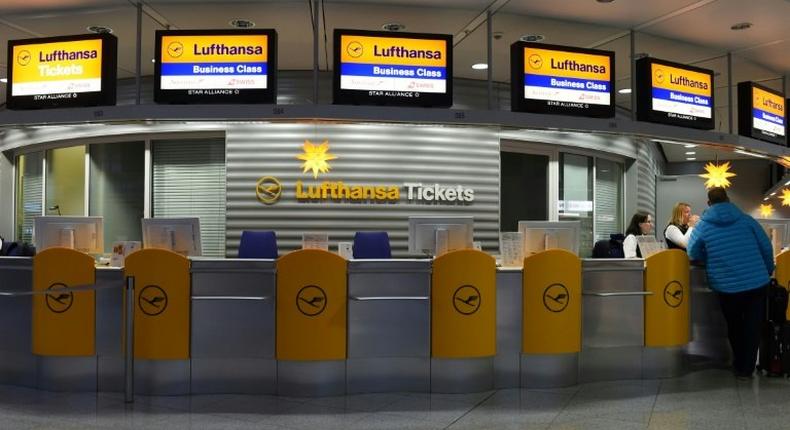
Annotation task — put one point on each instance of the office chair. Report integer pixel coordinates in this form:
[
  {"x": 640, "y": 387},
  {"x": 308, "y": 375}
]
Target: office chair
[
  {"x": 372, "y": 244},
  {"x": 258, "y": 244}
]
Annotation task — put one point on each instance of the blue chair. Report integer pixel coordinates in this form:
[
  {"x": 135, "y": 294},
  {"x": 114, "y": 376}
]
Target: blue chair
[
  {"x": 258, "y": 244},
  {"x": 372, "y": 244}
]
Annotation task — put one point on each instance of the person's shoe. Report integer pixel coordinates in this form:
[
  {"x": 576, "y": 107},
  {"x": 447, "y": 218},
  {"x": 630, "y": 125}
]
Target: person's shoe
[{"x": 743, "y": 376}]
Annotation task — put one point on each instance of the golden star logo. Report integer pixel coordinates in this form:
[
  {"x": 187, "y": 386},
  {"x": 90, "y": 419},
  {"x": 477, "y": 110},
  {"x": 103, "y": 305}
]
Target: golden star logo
[
  {"x": 766, "y": 210},
  {"x": 315, "y": 157},
  {"x": 785, "y": 197},
  {"x": 717, "y": 175}
]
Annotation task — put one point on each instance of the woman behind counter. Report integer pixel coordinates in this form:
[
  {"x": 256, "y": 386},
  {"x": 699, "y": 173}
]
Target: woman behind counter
[
  {"x": 641, "y": 224},
  {"x": 681, "y": 224}
]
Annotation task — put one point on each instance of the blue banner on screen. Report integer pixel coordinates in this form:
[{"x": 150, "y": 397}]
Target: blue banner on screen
[
  {"x": 215, "y": 69},
  {"x": 582, "y": 85},
  {"x": 393, "y": 71}
]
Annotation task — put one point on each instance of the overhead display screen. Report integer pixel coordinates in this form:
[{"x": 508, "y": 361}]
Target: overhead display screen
[
  {"x": 762, "y": 113},
  {"x": 675, "y": 94},
  {"x": 64, "y": 71},
  {"x": 401, "y": 69},
  {"x": 561, "y": 80},
  {"x": 215, "y": 66}
]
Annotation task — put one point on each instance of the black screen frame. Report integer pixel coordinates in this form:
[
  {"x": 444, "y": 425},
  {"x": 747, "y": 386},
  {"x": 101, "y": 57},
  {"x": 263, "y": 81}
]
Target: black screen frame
[
  {"x": 109, "y": 73},
  {"x": 745, "y": 120},
  {"x": 362, "y": 97},
  {"x": 245, "y": 96},
  {"x": 519, "y": 104},
  {"x": 644, "y": 96}
]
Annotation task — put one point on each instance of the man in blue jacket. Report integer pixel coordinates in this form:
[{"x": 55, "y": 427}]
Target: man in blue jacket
[{"x": 739, "y": 262}]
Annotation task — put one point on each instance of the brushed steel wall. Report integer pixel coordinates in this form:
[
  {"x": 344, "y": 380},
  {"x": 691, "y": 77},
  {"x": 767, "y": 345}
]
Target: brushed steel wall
[{"x": 375, "y": 154}]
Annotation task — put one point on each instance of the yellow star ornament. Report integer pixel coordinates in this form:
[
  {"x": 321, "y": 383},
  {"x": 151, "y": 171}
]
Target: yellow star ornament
[
  {"x": 717, "y": 175},
  {"x": 766, "y": 210},
  {"x": 785, "y": 197},
  {"x": 315, "y": 157}
]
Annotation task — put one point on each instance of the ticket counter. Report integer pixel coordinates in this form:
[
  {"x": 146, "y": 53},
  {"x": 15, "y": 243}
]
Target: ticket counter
[{"x": 388, "y": 331}]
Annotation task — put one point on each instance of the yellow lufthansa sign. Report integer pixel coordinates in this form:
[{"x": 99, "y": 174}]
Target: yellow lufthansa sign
[
  {"x": 215, "y": 49},
  {"x": 682, "y": 80},
  {"x": 768, "y": 102},
  {"x": 56, "y": 67},
  {"x": 549, "y": 62},
  {"x": 393, "y": 50},
  {"x": 667, "y": 308}
]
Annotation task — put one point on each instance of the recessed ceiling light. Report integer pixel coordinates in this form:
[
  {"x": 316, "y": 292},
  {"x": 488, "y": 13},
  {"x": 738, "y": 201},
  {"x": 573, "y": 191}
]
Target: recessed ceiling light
[
  {"x": 690, "y": 145},
  {"x": 532, "y": 38},
  {"x": 3, "y": 80},
  {"x": 690, "y": 152},
  {"x": 624, "y": 91},
  {"x": 153, "y": 60},
  {"x": 100, "y": 29},
  {"x": 393, "y": 26},
  {"x": 241, "y": 23},
  {"x": 690, "y": 158},
  {"x": 765, "y": 199},
  {"x": 640, "y": 55},
  {"x": 786, "y": 183},
  {"x": 741, "y": 26},
  {"x": 773, "y": 194},
  {"x": 604, "y": 1},
  {"x": 480, "y": 66}
]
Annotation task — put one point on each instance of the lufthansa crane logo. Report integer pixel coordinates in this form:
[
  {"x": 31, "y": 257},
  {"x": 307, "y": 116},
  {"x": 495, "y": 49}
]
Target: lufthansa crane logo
[
  {"x": 354, "y": 49},
  {"x": 175, "y": 49},
  {"x": 311, "y": 300},
  {"x": 556, "y": 298},
  {"x": 23, "y": 58},
  {"x": 268, "y": 189},
  {"x": 660, "y": 75},
  {"x": 152, "y": 300},
  {"x": 466, "y": 299},
  {"x": 59, "y": 301},
  {"x": 535, "y": 61},
  {"x": 673, "y": 294}
]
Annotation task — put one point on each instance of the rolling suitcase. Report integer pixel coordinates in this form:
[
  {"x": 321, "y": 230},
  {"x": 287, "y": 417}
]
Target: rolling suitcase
[{"x": 775, "y": 337}]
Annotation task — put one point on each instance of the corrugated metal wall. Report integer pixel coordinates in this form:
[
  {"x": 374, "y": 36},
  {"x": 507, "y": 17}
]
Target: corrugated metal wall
[{"x": 375, "y": 154}]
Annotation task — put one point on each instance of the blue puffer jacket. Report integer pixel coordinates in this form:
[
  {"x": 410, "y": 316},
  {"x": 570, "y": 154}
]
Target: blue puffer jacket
[{"x": 734, "y": 248}]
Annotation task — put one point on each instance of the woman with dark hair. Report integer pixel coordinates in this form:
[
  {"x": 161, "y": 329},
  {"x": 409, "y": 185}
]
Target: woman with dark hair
[{"x": 641, "y": 224}]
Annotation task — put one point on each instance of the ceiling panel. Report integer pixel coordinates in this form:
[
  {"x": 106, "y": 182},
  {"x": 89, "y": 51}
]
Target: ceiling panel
[
  {"x": 710, "y": 25},
  {"x": 622, "y": 14}
]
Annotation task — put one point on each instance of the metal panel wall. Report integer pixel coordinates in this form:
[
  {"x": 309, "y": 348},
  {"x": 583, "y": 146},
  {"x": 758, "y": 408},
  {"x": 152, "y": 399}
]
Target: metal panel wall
[
  {"x": 650, "y": 163},
  {"x": 375, "y": 154}
]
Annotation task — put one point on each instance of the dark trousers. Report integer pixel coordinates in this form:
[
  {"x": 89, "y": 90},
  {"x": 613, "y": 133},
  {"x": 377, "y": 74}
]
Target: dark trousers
[{"x": 745, "y": 314}]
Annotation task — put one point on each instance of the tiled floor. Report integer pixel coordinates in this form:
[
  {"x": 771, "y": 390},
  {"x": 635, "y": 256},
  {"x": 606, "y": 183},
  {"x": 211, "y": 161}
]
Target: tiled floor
[{"x": 707, "y": 399}]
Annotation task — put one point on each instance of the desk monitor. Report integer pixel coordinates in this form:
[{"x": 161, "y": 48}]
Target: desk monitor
[
  {"x": 83, "y": 233},
  {"x": 181, "y": 235},
  {"x": 542, "y": 235},
  {"x": 777, "y": 232},
  {"x": 435, "y": 235}
]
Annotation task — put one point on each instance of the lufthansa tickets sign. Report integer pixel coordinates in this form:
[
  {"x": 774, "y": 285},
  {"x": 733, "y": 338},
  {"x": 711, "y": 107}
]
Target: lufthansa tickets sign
[
  {"x": 62, "y": 71},
  {"x": 559, "y": 79},
  {"x": 762, "y": 113},
  {"x": 674, "y": 94},
  {"x": 380, "y": 68},
  {"x": 215, "y": 66}
]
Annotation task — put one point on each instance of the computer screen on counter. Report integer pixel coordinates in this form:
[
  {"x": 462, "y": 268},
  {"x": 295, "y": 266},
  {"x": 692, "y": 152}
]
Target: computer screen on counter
[
  {"x": 436, "y": 235},
  {"x": 82, "y": 233},
  {"x": 181, "y": 235},
  {"x": 542, "y": 235}
]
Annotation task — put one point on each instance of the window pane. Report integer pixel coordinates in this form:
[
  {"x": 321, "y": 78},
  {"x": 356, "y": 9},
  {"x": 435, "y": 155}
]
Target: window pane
[
  {"x": 608, "y": 198},
  {"x": 117, "y": 182},
  {"x": 576, "y": 196},
  {"x": 524, "y": 188},
  {"x": 66, "y": 181},
  {"x": 189, "y": 181},
  {"x": 29, "y": 180}
]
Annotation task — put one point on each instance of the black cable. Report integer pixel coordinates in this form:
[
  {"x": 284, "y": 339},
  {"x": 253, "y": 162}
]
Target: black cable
[
  {"x": 326, "y": 49},
  {"x": 312, "y": 23}
]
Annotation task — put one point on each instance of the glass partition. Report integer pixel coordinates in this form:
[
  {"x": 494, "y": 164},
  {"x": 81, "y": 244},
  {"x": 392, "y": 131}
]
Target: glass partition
[
  {"x": 65, "y": 181},
  {"x": 29, "y": 192},
  {"x": 117, "y": 182}
]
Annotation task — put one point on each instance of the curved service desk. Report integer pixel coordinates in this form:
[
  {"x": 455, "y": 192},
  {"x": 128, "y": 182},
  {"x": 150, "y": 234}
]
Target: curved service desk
[{"x": 454, "y": 324}]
